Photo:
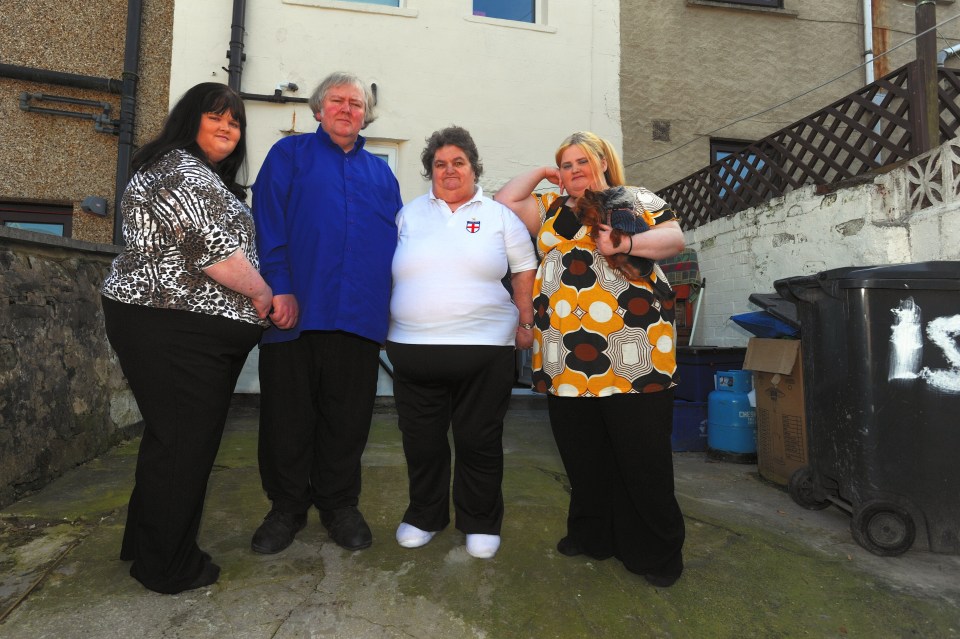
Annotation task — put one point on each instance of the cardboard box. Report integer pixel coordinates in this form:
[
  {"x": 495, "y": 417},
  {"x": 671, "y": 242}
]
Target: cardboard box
[{"x": 781, "y": 422}]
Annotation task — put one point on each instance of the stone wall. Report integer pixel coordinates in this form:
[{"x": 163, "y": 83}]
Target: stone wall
[
  {"x": 63, "y": 399},
  {"x": 910, "y": 214}
]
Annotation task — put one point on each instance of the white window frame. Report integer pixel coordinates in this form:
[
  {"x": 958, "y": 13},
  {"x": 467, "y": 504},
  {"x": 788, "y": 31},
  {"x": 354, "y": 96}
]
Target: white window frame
[
  {"x": 769, "y": 4},
  {"x": 357, "y": 5},
  {"x": 537, "y": 15},
  {"x": 384, "y": 148},
  {"x": 398, "y": 5},
  {"x": 540, "y": 14}
]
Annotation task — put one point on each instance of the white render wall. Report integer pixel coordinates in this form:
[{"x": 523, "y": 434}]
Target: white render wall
[
  {"x": 518, "y": 88},
  {"x": 911, "y": 214}
]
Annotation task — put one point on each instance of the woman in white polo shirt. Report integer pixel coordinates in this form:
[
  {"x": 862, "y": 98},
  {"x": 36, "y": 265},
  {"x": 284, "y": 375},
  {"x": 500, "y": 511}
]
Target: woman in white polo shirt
[{"x": 453, "y": 333}]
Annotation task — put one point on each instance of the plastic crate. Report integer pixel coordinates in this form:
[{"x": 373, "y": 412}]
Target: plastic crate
[
  {"x": 696, "y": 366},
  {"x": 689, "y": 426}
]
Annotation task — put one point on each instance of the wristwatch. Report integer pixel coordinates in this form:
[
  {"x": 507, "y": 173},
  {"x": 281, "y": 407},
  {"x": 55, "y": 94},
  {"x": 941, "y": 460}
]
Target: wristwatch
[{"x": 527, "y": 326}]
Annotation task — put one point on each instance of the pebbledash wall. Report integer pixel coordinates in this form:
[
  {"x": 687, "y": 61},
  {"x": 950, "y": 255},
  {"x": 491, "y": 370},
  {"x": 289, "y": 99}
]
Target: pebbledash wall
[
  {"x": 910, "y": 214},
  {"x": 64, "y": 400}
]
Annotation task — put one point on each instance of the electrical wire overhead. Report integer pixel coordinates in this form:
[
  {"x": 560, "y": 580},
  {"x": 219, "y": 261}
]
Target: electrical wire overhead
[{"x": 700, "y": 136}]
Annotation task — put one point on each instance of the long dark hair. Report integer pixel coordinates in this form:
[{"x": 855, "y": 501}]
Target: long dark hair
[{"x": 182, "y": 124}]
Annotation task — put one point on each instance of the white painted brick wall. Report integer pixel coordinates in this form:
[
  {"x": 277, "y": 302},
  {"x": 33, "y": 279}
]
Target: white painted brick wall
[{"x": 804, "y": 233}]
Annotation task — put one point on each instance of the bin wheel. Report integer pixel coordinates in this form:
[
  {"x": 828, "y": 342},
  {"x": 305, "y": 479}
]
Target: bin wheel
[
  {"x": 883, "y": 528},
  {"x": 803, "y": 490}
]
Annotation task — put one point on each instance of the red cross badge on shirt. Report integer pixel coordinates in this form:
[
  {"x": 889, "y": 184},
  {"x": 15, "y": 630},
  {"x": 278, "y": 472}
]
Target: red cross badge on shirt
[{"x": 473, "y": 226}]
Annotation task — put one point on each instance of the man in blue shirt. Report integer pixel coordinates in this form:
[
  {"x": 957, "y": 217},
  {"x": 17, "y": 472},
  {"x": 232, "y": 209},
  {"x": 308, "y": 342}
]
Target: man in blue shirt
[{"x": 325, "y": 212}]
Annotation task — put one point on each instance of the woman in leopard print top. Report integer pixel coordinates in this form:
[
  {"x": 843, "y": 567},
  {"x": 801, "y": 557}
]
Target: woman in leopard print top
[
  {"x": 179, "y": 219},
  {"x": 183, "y": 305}
]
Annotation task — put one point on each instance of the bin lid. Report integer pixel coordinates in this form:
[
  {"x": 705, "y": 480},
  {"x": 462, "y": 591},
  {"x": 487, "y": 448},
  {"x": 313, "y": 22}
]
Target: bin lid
[
  {"x": 939, "y": 275},
  {"x": 773, "y": 303},
  {"x": 764, "y": 324},
  {"x": 925, "y": 274}
]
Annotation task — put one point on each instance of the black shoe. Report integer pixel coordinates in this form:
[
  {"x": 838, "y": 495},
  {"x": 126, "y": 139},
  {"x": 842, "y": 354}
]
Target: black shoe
[
  {"x": 665, "y": 581},
  {"x": 347, "y": 528},
  {"x": 661, "y": 581},
  {"x": 277, "y": 531},
  {"x": 568, "y": 547},
  {"x": 207, "y": 576}
]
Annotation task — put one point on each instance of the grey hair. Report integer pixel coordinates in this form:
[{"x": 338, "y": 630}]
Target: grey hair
[
  {"x": 451, "y": 136},
  {"x": 339, "y": 79}
]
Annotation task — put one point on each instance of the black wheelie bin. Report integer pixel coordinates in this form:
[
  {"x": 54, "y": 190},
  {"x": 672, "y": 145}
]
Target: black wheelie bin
[{"x": 881, "y": 368}]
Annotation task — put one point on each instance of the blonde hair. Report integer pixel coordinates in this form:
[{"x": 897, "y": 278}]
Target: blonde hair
[{"x": 596, "y": 149}]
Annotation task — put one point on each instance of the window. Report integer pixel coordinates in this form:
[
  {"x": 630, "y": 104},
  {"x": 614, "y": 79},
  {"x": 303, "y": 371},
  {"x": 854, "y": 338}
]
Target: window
[
  {"x": 386, "y": 151},
  {"x": 39, "y": 218},
  {"x": 720, "y": 149},
  {"x": 731, "y": 175},
  {"x": 776, "y": 4},
  {"x": 382, "y": 7},
  {"x": 519, "y": 10},
  {"x": 386, "y": 3}
]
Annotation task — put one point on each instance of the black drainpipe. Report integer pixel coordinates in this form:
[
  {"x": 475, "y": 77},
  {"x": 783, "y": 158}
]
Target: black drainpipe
[
  {"x": 128, "y": 103},
  {"x": 235, "y": 54},
  {"x": 127, "y": 88},
  {"x": 17, "y": 72}
]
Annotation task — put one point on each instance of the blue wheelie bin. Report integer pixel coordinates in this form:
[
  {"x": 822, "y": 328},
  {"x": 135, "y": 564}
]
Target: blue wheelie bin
[{"x": 881, "y": 369}]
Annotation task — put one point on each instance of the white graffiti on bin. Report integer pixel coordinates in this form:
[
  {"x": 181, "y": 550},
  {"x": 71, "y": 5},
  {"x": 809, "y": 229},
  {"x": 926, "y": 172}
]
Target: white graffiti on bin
[
  {"x": 906, "y": 341},
  {"x": 943, "y": 332}
]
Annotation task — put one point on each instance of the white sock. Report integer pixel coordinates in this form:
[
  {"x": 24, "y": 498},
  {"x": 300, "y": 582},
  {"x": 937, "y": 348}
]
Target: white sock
[
  {"x": 483, "y": 546},
  {"x": 412, "y": 537}
]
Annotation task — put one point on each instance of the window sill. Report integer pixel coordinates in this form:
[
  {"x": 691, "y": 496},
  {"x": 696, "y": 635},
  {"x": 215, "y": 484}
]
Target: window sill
[
  {"x": 786, "y": 13},
  {"x": 356, "y": 6},
  {"x": 32, "y": 238},
  {"x": 512, "y": 24}
]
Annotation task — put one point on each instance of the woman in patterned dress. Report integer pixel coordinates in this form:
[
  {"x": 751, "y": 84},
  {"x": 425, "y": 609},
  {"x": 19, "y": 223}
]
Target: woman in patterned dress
[
  {"x": 604, "y": 352},
  {"x": 183, "y": 305}
]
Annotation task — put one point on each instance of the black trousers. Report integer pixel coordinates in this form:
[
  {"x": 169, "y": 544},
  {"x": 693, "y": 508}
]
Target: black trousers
[
  {"x": 618, "y": 457},
  {"x": 469, "y": 387},
  {"x": 182, "y": 368},
  {"x": 316, "y": 403}
]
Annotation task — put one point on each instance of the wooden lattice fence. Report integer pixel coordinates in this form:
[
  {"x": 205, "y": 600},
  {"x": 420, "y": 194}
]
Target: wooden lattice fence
[{"x": 872, "y": 128}]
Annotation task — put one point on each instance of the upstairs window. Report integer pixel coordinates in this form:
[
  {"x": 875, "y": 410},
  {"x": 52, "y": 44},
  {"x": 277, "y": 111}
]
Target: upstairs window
[
  {"x": 775, "y": 4},
  {"x": 720, "y": 149},
  {"x": 730, "y": 176},
  {"x": 386, "y": 3},
  {"x": 518, "y": 10},
  {"x": 39, "y": 218}
]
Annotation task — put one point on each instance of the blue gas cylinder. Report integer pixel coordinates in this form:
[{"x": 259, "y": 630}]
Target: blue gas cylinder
[{"x": 731, "y": 419}]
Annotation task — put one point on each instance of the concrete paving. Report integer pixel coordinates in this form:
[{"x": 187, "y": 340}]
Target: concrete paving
[{"x": 757, "y": 564}]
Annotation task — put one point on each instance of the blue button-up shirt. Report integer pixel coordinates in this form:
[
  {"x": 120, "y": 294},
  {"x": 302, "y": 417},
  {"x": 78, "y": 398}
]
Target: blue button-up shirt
[{"x": 326, "y": 232}]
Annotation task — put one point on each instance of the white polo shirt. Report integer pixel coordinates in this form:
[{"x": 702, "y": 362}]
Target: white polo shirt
[{"x": 447, "y": 271}]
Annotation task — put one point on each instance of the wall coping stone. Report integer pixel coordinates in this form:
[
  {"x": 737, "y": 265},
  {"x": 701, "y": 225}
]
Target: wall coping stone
[{"x": 19, "y": 236}]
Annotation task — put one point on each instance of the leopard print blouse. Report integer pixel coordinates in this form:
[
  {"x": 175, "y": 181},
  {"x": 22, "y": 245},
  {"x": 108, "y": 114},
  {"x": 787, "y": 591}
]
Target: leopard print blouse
[{"x": 179, "y": 218}]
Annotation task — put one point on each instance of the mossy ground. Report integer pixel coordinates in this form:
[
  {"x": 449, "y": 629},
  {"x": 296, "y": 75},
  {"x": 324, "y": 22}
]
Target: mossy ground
[{"x": 745, "y": 576}]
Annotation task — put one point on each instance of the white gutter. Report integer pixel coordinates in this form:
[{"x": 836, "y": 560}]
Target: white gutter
[
  {"x": 868, "y": 40},
  {"x": 943, "y": 54}
]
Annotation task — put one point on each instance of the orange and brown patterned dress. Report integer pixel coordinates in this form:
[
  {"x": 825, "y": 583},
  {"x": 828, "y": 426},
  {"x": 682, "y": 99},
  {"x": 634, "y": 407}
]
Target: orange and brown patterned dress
[{"x": 597, "y": 333}]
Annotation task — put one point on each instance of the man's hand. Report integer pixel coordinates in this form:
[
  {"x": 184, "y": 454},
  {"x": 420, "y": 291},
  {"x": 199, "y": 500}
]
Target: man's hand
[{"x": 286, "y": 311}]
